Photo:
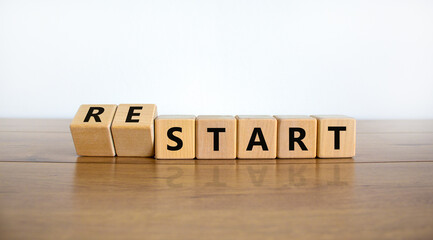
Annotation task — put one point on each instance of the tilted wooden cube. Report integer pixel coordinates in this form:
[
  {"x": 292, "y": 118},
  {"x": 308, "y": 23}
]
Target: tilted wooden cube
[
  {"x": 257, "y": 136},
  {"x": 133, "y": 130},
  {"x": 215, "y": 137},
  {"x": 296, "y": 136},
  {"x": 175, "y": 137},
  {"x": 336, "y": 136},
  {"x": 91, "y": 130}
]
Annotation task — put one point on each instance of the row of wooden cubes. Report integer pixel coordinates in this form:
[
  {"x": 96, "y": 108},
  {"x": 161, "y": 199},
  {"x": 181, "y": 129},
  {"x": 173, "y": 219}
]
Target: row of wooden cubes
[{"x": 136, "y": 130}]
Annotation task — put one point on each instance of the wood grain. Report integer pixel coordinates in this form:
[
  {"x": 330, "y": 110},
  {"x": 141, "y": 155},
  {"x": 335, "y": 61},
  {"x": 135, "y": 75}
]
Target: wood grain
[
  {"x": 47, "y": 192},
  {"x": 275, "y": 201}
]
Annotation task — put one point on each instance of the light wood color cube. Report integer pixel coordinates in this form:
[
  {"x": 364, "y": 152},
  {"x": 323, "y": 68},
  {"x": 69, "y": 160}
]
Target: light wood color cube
[
  {"x": 215, "y": 137},
  {"x": 296, "y": 136},
  {"x": 175, "y": 137},
  {"x": 257, "y": 136},
  {"x": 336, "y": 136},
  {"x": 91, "y": 130},
  {"x": 133, "y": 130}
]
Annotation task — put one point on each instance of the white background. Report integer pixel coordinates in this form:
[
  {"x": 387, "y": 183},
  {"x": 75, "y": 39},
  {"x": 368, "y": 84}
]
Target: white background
[{"x": 366, "y": 59}]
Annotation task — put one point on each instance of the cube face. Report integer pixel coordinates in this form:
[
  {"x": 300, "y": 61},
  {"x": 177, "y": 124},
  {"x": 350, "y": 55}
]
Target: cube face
[
  {"x": 296, "y": 136},
  {"x": 175, "y": 137},
  {"x": 91, "y": 130},
  {"x": 216, "y": 137},
  {"x": 133, "y": 130},
  {"x": 257, "y": 137},
  {"x": 336, "y": 136}
]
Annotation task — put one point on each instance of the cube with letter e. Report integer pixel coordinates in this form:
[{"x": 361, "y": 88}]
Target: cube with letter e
[{"x": 133, "y": 130}]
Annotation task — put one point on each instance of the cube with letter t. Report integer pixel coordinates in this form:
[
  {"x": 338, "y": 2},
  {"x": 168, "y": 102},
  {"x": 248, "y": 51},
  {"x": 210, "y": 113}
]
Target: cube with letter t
[
  {"x": 336, "y": 136},
  {"x": 91, "y": 130},
  {"x": 215, "y": 137}
]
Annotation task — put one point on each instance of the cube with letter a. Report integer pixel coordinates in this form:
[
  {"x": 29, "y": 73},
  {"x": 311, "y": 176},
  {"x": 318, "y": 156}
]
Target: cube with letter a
[
  {"x": 133, "y": 130},
  {"x": 257, "y": 136},
  {"x": 91, "y": 130},
  {"x": 336, "y": 136}
]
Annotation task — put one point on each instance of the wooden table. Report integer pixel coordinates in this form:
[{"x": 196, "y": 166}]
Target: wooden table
[{"x": 47, "y": 192}]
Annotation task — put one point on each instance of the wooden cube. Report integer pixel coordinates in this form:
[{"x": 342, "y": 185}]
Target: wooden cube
[
  {"x": 175, "y": 137},
  {"x": 296, "y": 136},
  {"x": 133, "y": 130},
  {"x": 215, "y": 137},
  {"x": 336, "y": 136},
  {"x": 257, "y": 137},
  {"x": 91, "y": 130}
]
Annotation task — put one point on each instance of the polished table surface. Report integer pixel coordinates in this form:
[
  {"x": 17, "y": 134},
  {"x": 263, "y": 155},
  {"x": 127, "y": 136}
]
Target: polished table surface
[{"x": 47, "y": 192}]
